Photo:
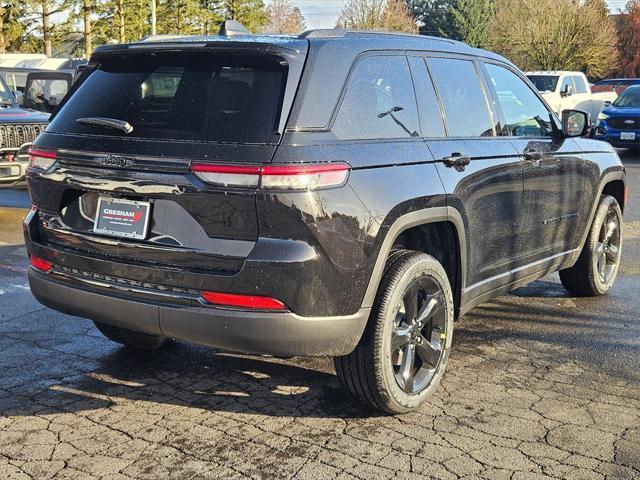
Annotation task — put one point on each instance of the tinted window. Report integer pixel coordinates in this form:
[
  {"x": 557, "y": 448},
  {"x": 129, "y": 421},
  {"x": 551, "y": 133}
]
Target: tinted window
[
  {"x": 545, "y": 83},
  {"x": 581, "y": 86},
  {"x": 525, "y": 114},
  {"x": 379, "y": 101},
  {"x": 198, "y": 97},
  {"x": 430, "y": 116},
  {"x": 463, "y": 98}
]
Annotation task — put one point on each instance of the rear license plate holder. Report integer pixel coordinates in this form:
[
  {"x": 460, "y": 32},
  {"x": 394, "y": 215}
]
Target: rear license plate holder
[
  {"x": 118, "y": 217},
  {"x": 627, "y": 135}
]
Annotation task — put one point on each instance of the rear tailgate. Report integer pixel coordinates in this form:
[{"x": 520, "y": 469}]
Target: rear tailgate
[{"x": 196, "y": 106}]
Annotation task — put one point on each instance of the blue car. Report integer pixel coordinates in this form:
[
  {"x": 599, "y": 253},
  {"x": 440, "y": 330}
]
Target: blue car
[{"x": 619, "y": 123}]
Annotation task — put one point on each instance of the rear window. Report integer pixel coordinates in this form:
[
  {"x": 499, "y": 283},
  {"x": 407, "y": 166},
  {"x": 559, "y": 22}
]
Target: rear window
[
  {"x": 191, "y": 97},
  {"x": 545, "y": 83}
]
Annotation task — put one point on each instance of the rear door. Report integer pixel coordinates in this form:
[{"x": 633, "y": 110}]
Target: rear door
[
  {"x": 554, "y": 171},
  {"x": 481, "y": 171}
]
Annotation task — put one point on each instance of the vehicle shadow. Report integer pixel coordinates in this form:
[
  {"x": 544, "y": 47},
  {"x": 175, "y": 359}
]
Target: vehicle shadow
[
  {"x": 185, "y": 375},
  {"x": 91, "y": 373}
]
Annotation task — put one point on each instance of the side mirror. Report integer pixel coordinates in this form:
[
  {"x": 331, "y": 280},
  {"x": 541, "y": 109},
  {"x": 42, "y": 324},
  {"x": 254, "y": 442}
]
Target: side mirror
[
  {"x": 607, "y": 103},
  {"x": 19, "y": 96},
  {"x": 567, "y": 91},
  {"x": 576, "y": 123}
]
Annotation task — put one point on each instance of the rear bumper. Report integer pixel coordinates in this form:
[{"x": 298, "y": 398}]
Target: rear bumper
[{"x": 273, "y": 333}]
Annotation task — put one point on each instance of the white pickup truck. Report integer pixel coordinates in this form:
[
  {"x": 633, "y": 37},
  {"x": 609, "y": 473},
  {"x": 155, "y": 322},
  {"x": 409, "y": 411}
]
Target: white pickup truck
[{"x": 570, "y": 90}]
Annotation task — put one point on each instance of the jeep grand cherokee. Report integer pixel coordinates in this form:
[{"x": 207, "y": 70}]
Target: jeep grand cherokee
[{"x": 339, "y": 193}]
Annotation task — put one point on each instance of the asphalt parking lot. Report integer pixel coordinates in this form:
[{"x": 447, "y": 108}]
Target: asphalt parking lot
[{"x": 540, "y": 385}]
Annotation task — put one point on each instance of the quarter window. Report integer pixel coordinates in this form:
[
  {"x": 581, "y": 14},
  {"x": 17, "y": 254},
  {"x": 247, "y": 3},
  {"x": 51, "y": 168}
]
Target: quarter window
[
  {"x": 524, "y": 113},
  {"x": 463, "y": 98},
  {"x": 379, "y": 102},
  {"x": 430, "y": 116}
]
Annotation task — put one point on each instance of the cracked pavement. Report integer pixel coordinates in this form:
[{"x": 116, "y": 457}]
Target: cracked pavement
[{"x": 539, "y": 385}]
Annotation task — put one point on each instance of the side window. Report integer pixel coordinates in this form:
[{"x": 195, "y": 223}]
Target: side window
[
  {"x": 566, "y": 82},
  {"x": 463, "y": 98},
  {"x": 525, "y": 114},
  {"x": 581, "y": 86},
  {"x": 430, "y": 116},
  {"x": 379, "y": 102}
]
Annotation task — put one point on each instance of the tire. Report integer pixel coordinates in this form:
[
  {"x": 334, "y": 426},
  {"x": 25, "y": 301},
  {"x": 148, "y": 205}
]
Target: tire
[
  {"x": 597, "y": 267},
  {"x": 131, "y": 338},
  {"x": 384, "y": 377}
]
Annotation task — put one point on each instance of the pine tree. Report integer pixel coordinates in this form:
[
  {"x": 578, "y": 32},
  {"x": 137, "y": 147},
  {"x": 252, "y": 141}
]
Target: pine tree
[
  {"x": 470, "y": 20},
  {"x": 180, "y": 17},
  {"x": 250, "y": 13},
  {"x": 435, "y": 17},
  {"x": 46, "y": 11}
]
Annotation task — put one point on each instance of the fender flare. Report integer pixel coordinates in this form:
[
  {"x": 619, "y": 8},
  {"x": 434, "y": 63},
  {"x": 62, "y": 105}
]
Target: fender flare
[{"x": 405, "y": 222}]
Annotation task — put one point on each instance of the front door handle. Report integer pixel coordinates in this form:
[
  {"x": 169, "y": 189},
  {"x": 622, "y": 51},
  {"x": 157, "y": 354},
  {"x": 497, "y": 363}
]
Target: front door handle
[{"x": 457, "y": 160}]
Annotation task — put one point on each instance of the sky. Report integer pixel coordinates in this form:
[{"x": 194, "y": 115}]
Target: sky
[
  {"x": 319, "y": 13},
  {"x": 324, "y": 13}
]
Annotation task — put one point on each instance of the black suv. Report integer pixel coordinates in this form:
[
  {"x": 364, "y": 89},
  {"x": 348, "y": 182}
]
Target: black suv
[{"x": 339, "y": 193}]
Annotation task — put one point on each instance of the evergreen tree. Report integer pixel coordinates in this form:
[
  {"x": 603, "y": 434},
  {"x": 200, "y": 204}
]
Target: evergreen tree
[
  {"x": 45, "y": 11},
  {"x": 251, "y": 13},
  {"x": 435, "y": 17},
  {"x": 470, "y": 20},
  {"x": 180, "y": 17}
]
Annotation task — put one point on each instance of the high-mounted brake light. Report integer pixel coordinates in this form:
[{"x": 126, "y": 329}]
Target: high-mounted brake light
[
  {"x": 276, "y": 177},
  {"x": 40, "y": 264},
  {"x": 243, "y": 301},
  {"x": 41, "y": 159}
]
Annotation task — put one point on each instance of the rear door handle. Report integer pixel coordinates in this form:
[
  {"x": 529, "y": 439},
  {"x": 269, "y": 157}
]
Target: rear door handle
[{"x": 457, "y": 160}]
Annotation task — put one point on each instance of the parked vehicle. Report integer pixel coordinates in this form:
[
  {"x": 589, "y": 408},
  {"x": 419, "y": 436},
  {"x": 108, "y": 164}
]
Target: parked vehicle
[
  {"x": 45, "y": 90},
  {"x": 569, "y": 90},
  {"x": 617, "y": 85},
  {"x": 15, "y": 71},
  {"x": 619, "y": 123},
  {"x": 340, "y": 193},
  {"x": 18, "y": 129}
]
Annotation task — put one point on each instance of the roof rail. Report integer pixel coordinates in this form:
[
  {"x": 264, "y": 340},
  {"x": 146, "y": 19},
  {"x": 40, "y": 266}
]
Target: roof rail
[
  {"x": 340, "y": 33},
  {"x": 156, "y": 38},
  {"x": 324, "y": 32},
  {"x": 230, "y": 28}
]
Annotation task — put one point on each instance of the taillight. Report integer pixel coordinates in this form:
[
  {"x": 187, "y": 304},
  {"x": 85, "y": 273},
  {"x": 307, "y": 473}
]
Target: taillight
[
  {"x": 40, "y": 264},
  {"x": 243, "y": 301},
  {"x": 274, "y": 177},
  {"x": 41, "y": 159}
]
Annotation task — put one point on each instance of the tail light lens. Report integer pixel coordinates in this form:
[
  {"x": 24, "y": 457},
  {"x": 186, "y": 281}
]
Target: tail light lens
[
  {"x": 41, "y": 159},
  {"x": 243, "y": 301},
  {"x": 274, "y": 177},
  {"x": 40, "y": 264}
]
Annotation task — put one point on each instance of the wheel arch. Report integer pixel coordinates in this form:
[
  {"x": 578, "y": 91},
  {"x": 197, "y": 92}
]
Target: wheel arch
[
  {"x": 415, "y": 220},
  {"x": 610, "y": 184}
]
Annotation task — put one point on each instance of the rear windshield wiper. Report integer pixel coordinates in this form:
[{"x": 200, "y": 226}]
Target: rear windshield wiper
[{"x": 107, "y": 122}]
